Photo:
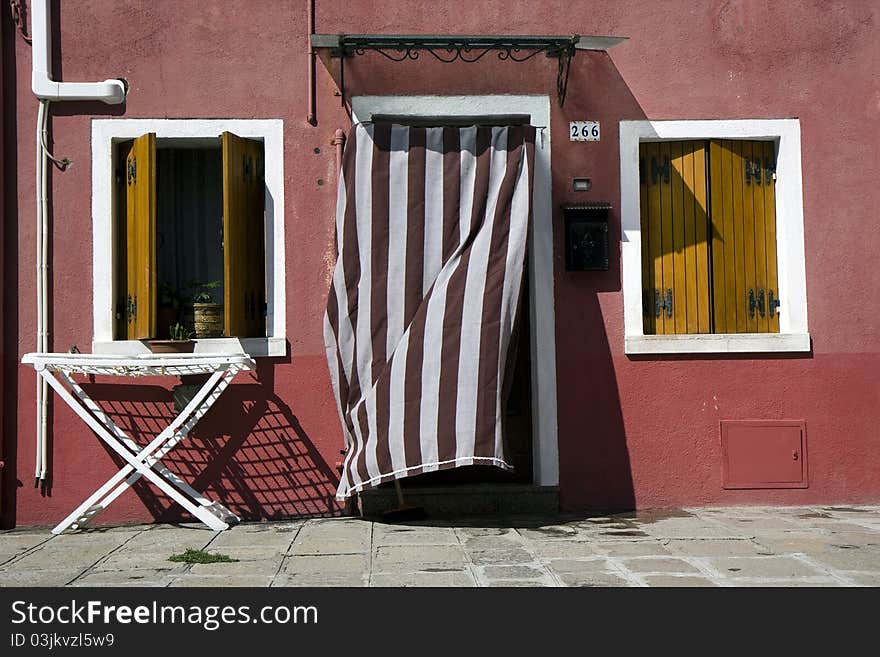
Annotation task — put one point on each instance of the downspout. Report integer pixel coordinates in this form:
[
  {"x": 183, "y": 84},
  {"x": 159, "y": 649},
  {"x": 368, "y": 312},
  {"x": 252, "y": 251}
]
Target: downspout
[
  {"x": 48, "y": 90},
  {"x": 310, "y": 119},
  {"x": 339, "y": 142},
  {"x": 111, "y": 91}
]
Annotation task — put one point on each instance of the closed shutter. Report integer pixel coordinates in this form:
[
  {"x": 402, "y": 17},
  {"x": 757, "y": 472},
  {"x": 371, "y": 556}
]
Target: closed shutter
[
  {"x": 140, "y": 246},
  {"x": 244, "y": 249},
  {"x": 675, "y": 253},
  {"x": 743, "y": 217}
]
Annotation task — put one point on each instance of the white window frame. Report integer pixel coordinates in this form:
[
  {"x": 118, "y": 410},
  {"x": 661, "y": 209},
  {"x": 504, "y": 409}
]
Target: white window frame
[
  {"x": 545, "y": 452},
  {"x": 792, "y": 288},
  {"x": 107, "y": 132}
]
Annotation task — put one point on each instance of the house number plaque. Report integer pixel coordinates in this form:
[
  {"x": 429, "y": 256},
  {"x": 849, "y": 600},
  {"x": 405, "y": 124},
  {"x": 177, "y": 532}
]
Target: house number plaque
[{"x": 583, "y": 131}]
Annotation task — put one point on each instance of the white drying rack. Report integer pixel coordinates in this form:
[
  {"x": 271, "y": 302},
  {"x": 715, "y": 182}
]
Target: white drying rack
[{"x": 57, "y": 368}]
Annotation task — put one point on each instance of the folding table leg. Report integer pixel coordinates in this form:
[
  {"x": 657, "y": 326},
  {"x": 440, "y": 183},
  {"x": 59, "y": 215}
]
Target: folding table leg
[
  {"x": 164, "y": 485},
  {"x": 201, "y": 404}
]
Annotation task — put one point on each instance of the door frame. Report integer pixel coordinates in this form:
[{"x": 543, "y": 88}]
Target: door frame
[{"x": 545, "y": 451}]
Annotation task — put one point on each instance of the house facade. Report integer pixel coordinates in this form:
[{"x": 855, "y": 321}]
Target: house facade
[{"x": 695, "y": 326}]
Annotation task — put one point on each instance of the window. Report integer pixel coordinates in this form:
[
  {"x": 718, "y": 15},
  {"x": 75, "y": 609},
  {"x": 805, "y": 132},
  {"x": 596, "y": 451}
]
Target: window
[
  {"x": 712, "y": 249},
  {"x": 708, "y": 224},
  {"x": 188, "y": 228}
]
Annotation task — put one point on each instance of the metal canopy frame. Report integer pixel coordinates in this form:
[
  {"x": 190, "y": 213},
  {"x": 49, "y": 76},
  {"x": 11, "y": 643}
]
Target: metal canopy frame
[{"x": 464, "y": 48}]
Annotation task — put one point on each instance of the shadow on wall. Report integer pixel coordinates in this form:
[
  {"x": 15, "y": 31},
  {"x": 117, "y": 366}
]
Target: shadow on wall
[
  {"x": 250, "y": 452},
  {"x": 594, "y": 459}
]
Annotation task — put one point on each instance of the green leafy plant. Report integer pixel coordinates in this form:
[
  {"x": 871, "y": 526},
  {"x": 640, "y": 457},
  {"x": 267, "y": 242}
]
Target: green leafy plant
[
  {"x": 179, "y": 332},
  {"x": 203, "y": 291},
  {"x": 201, "y": 556}
]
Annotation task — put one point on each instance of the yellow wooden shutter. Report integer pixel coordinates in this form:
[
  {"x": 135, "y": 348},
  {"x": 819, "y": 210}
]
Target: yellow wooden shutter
[
  {"x": 743, "y": 236},
  {"x": 141, "y": 287},
  {"x": 244, "y": 250},
  {"x": 675, "y": 255}
]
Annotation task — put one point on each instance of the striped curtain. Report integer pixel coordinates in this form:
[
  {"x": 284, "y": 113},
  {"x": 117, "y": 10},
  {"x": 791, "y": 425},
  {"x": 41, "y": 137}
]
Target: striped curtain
[{"x": 431, "y": 229}]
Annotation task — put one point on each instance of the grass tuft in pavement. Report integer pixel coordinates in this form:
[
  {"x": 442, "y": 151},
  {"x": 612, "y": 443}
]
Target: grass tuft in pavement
[{"x": 201, "y": 556}]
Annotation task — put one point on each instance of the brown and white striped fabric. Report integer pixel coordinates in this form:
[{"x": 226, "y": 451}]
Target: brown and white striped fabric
[{"x": 431, "y": 227}]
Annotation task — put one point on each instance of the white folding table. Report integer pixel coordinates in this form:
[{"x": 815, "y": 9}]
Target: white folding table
[{"x": 142, "y": 461}]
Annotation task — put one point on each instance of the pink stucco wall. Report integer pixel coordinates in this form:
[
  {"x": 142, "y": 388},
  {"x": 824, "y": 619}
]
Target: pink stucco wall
[{"x": 632, "y": 431}]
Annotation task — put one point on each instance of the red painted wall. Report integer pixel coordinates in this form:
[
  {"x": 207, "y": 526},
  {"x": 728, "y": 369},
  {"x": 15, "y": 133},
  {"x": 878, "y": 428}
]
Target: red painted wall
[{"x": 650, "y": 435}]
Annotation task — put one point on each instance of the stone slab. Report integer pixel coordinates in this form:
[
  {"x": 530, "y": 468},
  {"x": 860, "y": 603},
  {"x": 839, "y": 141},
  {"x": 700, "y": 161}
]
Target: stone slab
[
  {"x": 313, "y": 580},
  {"x": 513, "y": 572},
  {"x": 711, "y": 547},
  {"x": 408, "y": 535},
  {"x": 426, "y": 555},
  {"x": 257, "y": 536},
  {"x": 668, "y": 581},
  {"x": 593, "y": 579},
  {"x": 128, "y": 578},
  {"x": 506, "y": 556},
  {"x": 633, "y": 548},
  {"x": 333, "y": 537},
  {"x": 233, "y": 581},
  {"x": 458, "y": 578},
  {"x": 767, "y": 567},
  {"x": 851, "y": 558},
  {"x": 38, "y": 577},
  {"x": 574, "y": 566},
  {"x": 265, "y": 567},
  {"x": 659, "y": 565},
  {"x": 565, "y": 549}
]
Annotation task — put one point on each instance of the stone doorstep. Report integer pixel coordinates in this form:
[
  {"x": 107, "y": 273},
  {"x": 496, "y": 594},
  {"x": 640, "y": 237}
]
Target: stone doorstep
[{"x": 466, "y": 499}]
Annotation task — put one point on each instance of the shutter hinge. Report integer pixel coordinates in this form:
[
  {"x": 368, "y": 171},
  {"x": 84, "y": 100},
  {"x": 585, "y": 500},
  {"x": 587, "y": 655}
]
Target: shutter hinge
[
  {"x": 663, "y": 304},
  {"x": 773, "y": 304},
  {"x": 658, "y": 170},
  {"x": 131, "y": 174},
  {"x": 754, "y": 170},
  {"x": 756, "y": 302}
]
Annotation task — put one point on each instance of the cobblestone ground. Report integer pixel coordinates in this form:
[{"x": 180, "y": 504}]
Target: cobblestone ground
[{"x": 736, "y": 546}]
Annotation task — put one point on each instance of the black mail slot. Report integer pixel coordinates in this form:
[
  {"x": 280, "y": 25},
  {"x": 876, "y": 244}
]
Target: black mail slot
[{"x": 586, "y": 236}]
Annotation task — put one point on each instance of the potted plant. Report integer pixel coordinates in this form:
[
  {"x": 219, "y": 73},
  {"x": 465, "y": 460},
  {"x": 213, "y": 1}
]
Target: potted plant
[
  {"x": 180, "y": 342},
  {"x": 203, "y": 314}
]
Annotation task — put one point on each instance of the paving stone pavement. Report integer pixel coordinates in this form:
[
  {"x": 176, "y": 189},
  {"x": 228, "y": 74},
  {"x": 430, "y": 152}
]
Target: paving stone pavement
[{"x": 731, "y": 547}]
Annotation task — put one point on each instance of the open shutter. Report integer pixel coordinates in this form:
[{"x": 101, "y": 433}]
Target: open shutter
[
  {"x": 675, "y": 255},
  {"x": 744, "y": 236},
  {"x": 140, "y": 247},
  {"x": 244, "y": 248}
]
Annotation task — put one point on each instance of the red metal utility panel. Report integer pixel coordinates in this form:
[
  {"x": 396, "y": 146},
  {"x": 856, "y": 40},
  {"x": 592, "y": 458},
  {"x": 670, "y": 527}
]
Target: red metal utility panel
[{"x": 764, "y": 453}]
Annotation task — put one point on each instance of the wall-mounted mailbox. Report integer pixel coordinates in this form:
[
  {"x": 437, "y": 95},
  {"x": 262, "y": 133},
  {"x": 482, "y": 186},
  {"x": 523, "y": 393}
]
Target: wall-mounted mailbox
[{"x": 586, "y": 236}]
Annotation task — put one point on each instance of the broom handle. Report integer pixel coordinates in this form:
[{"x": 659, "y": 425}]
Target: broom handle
[{"x": 399, "y": 492}]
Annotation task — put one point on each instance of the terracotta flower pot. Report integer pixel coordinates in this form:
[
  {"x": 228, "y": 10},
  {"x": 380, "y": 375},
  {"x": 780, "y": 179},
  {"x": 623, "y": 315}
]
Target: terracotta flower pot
[{"x": 171, "y": 346}]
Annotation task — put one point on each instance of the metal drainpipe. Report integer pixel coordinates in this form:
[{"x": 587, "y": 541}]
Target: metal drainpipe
[
  {"x": 339, "y": 142},
  {"x": 310, "y": 119},
  {"x": 112, "y": 92}
]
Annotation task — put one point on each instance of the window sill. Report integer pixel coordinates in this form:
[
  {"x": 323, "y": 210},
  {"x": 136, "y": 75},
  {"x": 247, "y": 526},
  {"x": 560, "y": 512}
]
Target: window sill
[
  {"x": 717, "y": 344},
  {"x": 255, "y": 347}
]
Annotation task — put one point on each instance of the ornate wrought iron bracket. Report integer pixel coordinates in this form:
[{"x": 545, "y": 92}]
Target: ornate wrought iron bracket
[{"x": 469, "y": 49}]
